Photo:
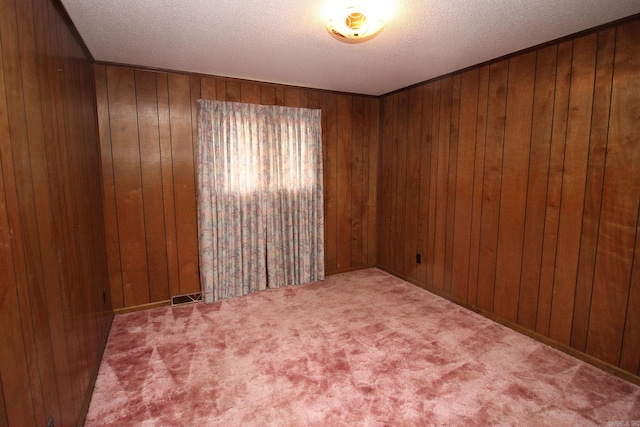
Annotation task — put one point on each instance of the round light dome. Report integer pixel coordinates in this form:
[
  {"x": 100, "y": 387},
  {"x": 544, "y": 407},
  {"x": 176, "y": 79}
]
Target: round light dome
[{"x": 354, "y": 24}]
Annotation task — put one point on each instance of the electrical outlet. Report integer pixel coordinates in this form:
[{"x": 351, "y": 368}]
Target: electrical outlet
[
  {"x": 50, "y": 422},
  {"x": 418, "y": 258}
]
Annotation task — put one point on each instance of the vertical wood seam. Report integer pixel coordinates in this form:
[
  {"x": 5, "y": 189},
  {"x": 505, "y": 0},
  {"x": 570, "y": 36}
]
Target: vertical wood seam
[
  {"x": 484, "y": 171},
  {"x": 633, "y": 259},
  {"x": 17, "y": 294},
  {"x": 546, "y": 197},
  {"x": 455, "y": 177},
  {"x": 604, "y": 168},
  {"x": 526, "y": 197},
  {"x": 435, "y": 186},
  {"x": 504, "y": 133},
  {"x": 429, "y": 279},
  {"x": 473, "y": 186},
  {"x": 115, "y": 187},
  {"x": 417, "y": 248},
  {"x": 586, "y": 186},
  {"x": 406, "y": 173},
  {"x": 61, "y": 126},
  {"x": 51, "y": 202},
  {"x": 173, "y": 180},
  {"x": 4, "y": 401},
  {"x": 364, "y": 209},
  {"x": 160, "y": 163},
  {"x": 37, "y": 265},
  {"x": 11, "y": 228},
  {"x": 351, "y": 219},
  {"x": 140, "y": 167},
  {"x": 564, "y": 159},
  {"x": 337, "y": 163}
]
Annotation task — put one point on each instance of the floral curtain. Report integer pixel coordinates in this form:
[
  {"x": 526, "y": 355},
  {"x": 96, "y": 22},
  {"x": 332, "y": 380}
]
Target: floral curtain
[{"x": 260, "y": 201}]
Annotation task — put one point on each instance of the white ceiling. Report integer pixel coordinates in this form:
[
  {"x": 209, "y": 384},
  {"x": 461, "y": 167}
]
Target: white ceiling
[{"x": 285, "y": 41}]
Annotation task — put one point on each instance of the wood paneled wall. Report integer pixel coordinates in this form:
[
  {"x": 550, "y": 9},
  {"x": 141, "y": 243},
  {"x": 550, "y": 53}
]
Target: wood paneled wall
[
  {"x": 148, "y": 134},
  {"x": 518, "y": 182},
  {"x": 54, "y": 317}
]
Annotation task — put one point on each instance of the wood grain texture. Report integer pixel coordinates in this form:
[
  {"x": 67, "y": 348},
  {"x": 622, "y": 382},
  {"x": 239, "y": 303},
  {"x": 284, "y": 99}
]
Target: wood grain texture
[
  {"x": 630, "y": 355},
  {"x": 412, "y": 203},
  {"x": 492, "y": 183},
  {"x": 464, "y": 184},
  {"x": 4, "y": 421},
  {"x": 593, "y": 190},
  {"x": 442, "y": 187},
  {"x": 529, "y": 193},
  {"x": 426, "y": 142},
  {"x": 401, "y": 180},
  {"x": 151, "y": 174},
  {"x": 573, "y": 186},
  {"x": 517, "y": 141},
  {"x": 330, "y": 176},
  {"x": 433, "y": 182},
  {"x": 357, "y": 180},
  {"x": 344, "y": 179},
  {"x": 478, "y": 173},
  {"x": 554, "y": 187},
  {"x": 538, "y": 174},
  {"x": 451, "y": 183},
  {"x": 149, "y": 118},
  {"x": 55, "y": 275},
  {"x": 372, "y": 120},
  {"x": 620, "y": 198},
  {"x": 128, "y": 185}
]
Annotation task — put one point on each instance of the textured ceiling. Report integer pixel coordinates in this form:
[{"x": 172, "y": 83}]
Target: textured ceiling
[{"x": 286, "y": 41}]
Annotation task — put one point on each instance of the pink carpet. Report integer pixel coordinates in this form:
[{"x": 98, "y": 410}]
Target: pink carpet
[{"x": 358, "y": 349}]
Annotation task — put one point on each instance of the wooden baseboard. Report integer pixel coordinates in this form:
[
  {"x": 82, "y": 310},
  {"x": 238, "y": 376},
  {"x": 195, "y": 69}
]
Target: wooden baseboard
[
  {"x": 350, "y": 269},
  {"x": 141, "y": 307},
  {"x": 625, "y": 375},
  {"x": 94, "y": 376}
]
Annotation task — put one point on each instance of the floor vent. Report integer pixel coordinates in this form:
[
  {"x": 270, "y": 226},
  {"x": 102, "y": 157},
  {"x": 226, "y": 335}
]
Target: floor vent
[{"x": 186, "y": 299}]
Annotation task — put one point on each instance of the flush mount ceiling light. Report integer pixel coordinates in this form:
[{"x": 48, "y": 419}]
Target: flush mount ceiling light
[{"x": 356, "y": 23}]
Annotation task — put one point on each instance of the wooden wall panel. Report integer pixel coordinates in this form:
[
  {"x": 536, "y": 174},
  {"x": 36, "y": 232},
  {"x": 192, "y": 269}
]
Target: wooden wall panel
[
  {"x": 620, "y": 203},
  {"x": 573, "y": 186},
  {"x": 344, "y": 181},
  {"x": 125, "y": 151},
  {"x": 515, "y": 160},
  {"x": 529, "y": 192},
  {"x": 464, "y": 183},
  {"x": 384, "y": 213},
  {"x": 184, "y": 177},
  {"x": 401, "y": 179},
  {"x": 424, "y": 171},
  {"x": 538, "y": 175},
  {"x": 148, "y": 130},
  {"x": 55, "y": 299},
  {"x": 554, "y": 186},
  {"x": 593, "y": 190},
  {"x": 330, "y": 176},
  {"x": 4, "y": 421},
  {"x": 478, "y": 173},
  {"x": 151, "y": 174},
  {"x": 451, "y": 183},
  {"x": 372, "y": 172},
  {"x": 168, "y": 186},
  {"x": 357, "y": 179},
  {"x": 492, "y": 183},
  {"x": 441, "y": 186},
  {"x": 412, "y": 184}
]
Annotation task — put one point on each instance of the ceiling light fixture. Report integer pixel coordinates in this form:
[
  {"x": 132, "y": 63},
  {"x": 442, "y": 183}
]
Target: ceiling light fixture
[{"x": 356, "y": 23}]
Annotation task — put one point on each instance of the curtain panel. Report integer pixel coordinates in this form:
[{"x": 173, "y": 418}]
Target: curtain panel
[{"x": 260, "y": 197}]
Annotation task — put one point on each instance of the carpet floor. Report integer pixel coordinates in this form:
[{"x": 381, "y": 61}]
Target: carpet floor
[{"x": 358, "y": 349}]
